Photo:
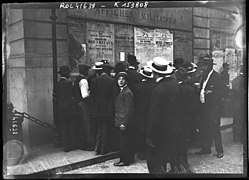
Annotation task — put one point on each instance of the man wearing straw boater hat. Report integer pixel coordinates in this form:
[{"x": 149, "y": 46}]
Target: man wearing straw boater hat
[
  {"x": 102, "y": 92},
  {"x": 164, "y": 117},
  {"x": 141, "y": 103},
  {"x": 211, "y": 93}
]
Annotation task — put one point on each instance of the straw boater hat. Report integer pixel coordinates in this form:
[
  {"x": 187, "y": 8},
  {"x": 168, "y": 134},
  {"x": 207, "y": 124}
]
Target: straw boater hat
[
  {"x": 97, "y": 66},
  {"x": 146, "y": 72},
  {"x": 160, "y": 65}
]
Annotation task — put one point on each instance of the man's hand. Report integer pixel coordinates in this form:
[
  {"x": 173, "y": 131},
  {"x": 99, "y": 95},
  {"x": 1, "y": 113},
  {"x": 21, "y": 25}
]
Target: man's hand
[{"x": 122, "y": 127}]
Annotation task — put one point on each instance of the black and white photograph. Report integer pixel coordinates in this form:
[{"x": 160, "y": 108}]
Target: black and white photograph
[{"x": 125, "y": 89}]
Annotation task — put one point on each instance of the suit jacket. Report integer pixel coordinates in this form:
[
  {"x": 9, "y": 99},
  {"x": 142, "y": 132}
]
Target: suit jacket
[
  {"x": 64, "y": 95},
  {"x": 133, "y": 78},
  {"x": 124, "y": 107},
  {"x": 212, "y": 103},
  {"x": 102, "y": 93},
  {"x": 164, "y": 114},
  {"x": 142, "y": 96}
]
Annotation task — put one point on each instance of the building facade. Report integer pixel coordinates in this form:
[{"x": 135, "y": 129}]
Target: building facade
[{"x": 88, "y": 36}]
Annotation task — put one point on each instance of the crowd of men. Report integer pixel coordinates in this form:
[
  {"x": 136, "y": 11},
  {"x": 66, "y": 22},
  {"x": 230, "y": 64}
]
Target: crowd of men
[{"x": 155, "y": 112}]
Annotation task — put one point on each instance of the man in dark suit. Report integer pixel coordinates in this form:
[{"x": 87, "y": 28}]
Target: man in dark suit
[
  {"x": 82, "y": 95},
  {"x": 163, "y": 119},
  {"x": 212, "y": 90},
  {"x": 187, "y": 109},
  {"x": 66, "y": 109},
  {"x": 123, "y": 119},
  {"x": 133, "y": 76},
  {"x": 102, "y": 92},
  {"x": 141, "y": 101}
]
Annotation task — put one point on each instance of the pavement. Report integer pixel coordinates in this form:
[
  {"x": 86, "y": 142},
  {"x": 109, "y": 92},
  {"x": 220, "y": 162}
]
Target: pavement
[{"x": 49, "y": 161}]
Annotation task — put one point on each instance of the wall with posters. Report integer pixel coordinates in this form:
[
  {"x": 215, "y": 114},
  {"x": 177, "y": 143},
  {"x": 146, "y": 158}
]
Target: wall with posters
[{"x": 150, "y": 43}]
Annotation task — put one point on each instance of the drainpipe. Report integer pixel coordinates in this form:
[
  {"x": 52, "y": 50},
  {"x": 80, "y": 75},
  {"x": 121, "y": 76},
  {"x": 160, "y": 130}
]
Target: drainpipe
[{"x": 53, "y": 18}]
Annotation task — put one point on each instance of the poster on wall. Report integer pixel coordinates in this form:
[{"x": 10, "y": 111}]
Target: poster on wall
[
  {"x": 100, "y": 42},
  {"x": 231, "y": 59},
  {"x": 150, "y": 43},
  {"x": 218, "y": 60}
]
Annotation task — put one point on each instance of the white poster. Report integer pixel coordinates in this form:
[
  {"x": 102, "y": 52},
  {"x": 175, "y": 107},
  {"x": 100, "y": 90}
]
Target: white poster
[
  {"x": 100, "y": 42},
  {"x": 150, "y": 43},
  {"x": 218, "y": 60},
  {"x": 231, "y": 59}
]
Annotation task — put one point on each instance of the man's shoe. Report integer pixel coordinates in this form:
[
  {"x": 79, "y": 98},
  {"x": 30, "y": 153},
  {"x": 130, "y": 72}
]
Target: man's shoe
[
  {"x": 120, "y": 164},
  {"x": 220, "y": 155},
  {"x": 202, "y": 152}
]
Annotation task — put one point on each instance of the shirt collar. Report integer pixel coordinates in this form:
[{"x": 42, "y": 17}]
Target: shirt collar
[
  {"x": 160, "y": 78},
  {"x": 123, "y": 87},
  {"x": 144, "y": 80}
]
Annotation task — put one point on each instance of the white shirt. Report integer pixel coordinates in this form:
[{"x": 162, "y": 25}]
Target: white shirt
[
  {"x": 202, "y": 95},
  {"x": 84, "y": 88},
  {"x": 131, "y": 67}
]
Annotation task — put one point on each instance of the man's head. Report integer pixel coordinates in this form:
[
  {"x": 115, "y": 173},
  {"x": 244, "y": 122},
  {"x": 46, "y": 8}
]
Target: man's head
[
  {"x": 83, "y": 69},
  {"x": 160, "y": 67},
  {"x": 206, "y": 64},
  {"x": 225, "y": 66},
  {"x": 122, "y": 79},
  {"x": 64, "y": 71},
  {"x": 132, "y": 60},
  {"x": 178, "y": 62}
]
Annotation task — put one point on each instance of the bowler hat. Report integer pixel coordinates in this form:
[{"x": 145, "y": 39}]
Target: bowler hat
[
  {"x": 132, "y": 60},
  {"x": 182, "y": 74},
  {"x": 104, "y": 61},
  {"x": 160, "y": 65},
  {"x": 63, "y": 70},
  {"x": 207, "y": 60},
  {"x": 146, "y": 72}
]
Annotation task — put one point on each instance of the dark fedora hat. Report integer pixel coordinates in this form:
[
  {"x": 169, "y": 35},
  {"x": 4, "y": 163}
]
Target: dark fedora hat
[
  {"x": 207, "y": 60},
  {"x": 64, "y": 69},
  {"x": 182, "y": 74},
  {"x": 132, "y": 60}
]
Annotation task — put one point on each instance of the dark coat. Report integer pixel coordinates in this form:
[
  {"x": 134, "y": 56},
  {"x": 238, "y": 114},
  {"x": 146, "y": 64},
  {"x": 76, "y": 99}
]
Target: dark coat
[
  {"x": 102, "y": 93},
  {"x": 141, "y": 102},
  {"x": 64, "y": 94},
  {"x": 212, "y": 103},
  {"x": 133, "y": 78},
  {"x": 124, "y": 107},
  {"x": 164, "y": 116}
]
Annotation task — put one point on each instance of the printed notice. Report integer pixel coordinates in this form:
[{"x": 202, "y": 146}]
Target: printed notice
[{"x": 150, "y": 43}]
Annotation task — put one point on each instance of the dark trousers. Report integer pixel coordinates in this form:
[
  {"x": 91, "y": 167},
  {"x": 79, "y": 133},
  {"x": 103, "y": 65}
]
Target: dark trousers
[
  {"x": 103, "y": 132},
  {"x": 210, "y": 131},
  {"x": 86, "y": 123},
  {"x": 68, "y": 133},
  {"x": 125, "y": 146}
]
